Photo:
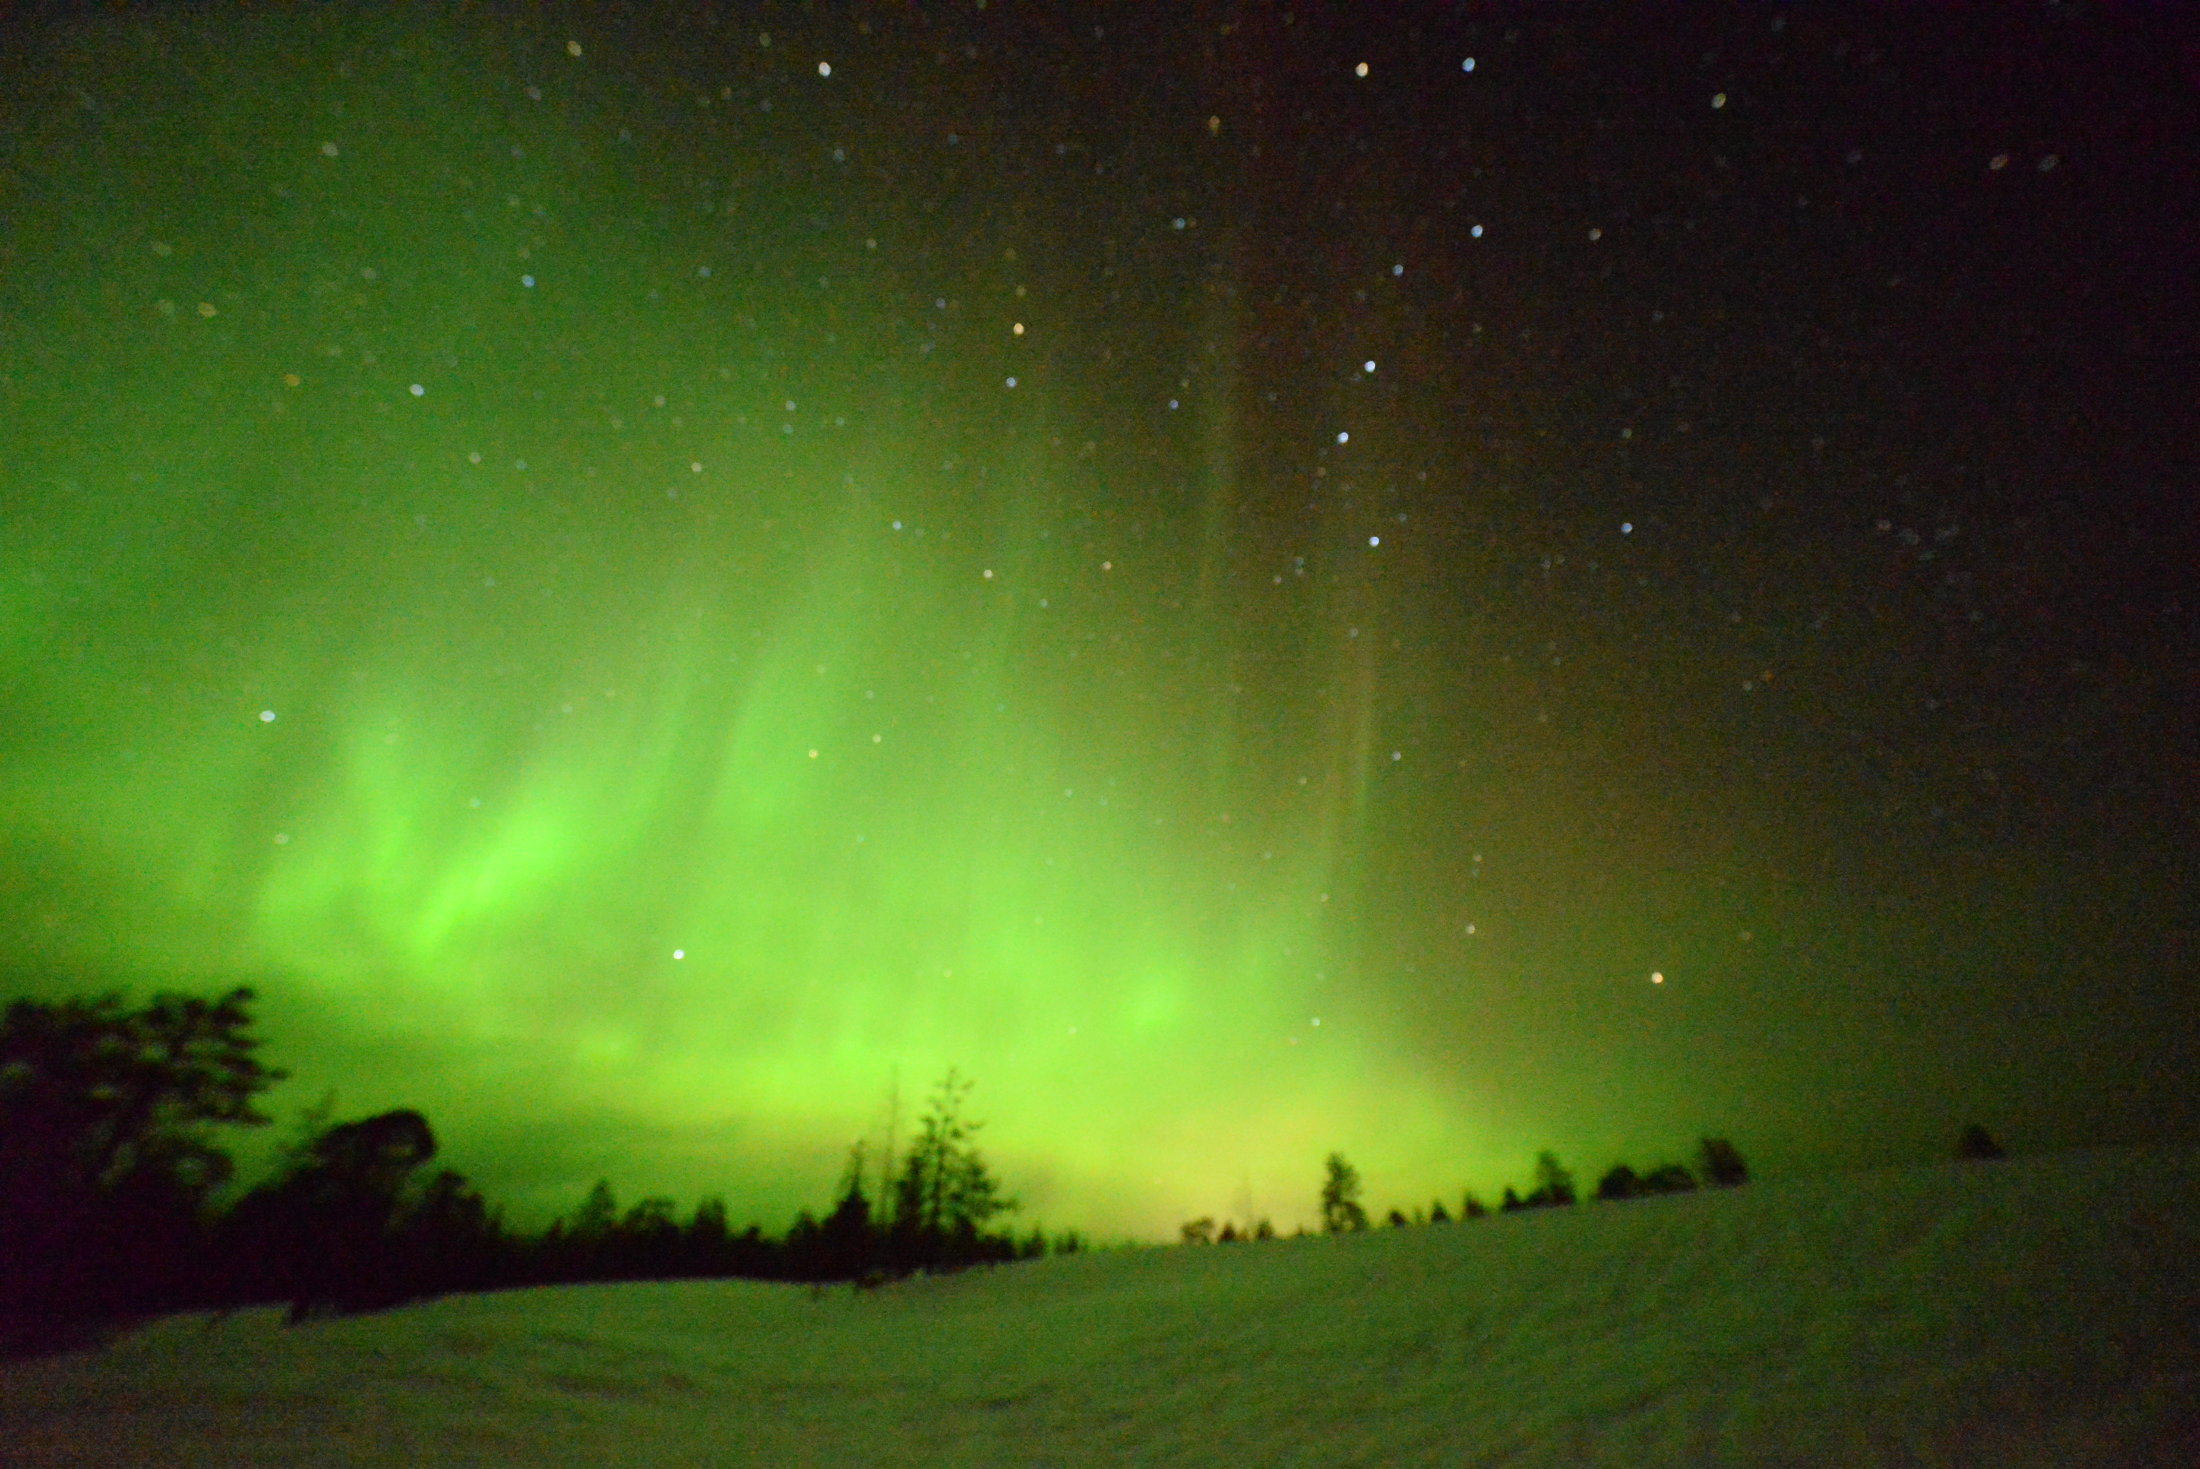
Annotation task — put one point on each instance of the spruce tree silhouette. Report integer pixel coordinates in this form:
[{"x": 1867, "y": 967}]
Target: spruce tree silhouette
[
  {"x": 453, "y": 1241},
  {"x": 581, "y": 1247},
  {"x": 598, "y": 1213},
  {"x": 1554, "y": 1186},
  {"x": 802, "y": 1252},
  {"x": 1340, "y": 1200},
  {"x": 705, "y": 1240},
  {"x": 645, "y": 1243},
  {"x": 847, "y": 1245}
]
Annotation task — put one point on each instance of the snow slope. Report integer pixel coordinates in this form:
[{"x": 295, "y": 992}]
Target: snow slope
[{"x": 2041, "y": 1311}]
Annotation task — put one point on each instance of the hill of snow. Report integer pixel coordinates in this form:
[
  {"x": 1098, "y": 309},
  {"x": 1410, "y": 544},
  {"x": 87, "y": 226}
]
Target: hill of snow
[{"x": 2042, "y": 1311}]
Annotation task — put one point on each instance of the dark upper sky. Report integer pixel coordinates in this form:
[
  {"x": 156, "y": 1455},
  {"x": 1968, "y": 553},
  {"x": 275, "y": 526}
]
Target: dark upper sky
[{"x": 1434, "y": 581}]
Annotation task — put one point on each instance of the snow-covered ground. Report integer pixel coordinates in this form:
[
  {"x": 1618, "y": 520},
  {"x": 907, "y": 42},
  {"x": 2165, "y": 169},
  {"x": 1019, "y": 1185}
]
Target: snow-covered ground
[{"x": 2042, "y": 1311}]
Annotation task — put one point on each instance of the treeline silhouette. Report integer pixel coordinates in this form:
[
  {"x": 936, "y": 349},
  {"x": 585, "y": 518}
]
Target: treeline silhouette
[
  {"x": 113, "y": 1204},
  {"x": 110, "y": 1179},
  {"x": 1719, "y": 1164}
]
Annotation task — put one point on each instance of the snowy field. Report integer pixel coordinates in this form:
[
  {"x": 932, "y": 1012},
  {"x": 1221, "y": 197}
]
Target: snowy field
[{"x": 2041, "y": 1311}]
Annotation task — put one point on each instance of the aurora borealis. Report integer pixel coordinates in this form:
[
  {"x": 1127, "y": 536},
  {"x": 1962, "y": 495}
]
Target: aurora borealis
[{"x": 643, "y": 574}]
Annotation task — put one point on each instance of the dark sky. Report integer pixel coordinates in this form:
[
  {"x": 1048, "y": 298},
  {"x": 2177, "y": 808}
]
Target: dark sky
[{"x": 1428, "y": 581}]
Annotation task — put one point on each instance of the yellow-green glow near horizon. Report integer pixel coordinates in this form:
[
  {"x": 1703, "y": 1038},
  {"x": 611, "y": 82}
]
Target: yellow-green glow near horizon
[{"x": 646, "y": 601}]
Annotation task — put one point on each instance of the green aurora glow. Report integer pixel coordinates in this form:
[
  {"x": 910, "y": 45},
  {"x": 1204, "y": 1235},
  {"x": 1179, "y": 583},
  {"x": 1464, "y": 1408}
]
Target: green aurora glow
[{"x": 714, "y": 692}]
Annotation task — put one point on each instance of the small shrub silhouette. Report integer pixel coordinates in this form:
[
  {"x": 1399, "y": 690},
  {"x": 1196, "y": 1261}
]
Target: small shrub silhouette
[
  {"x": 1721, "y": 1163},
  {"x": 1977, "y": 1145}
]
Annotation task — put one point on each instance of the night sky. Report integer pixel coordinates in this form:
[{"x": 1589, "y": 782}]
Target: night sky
[{"x": 1429, "y": 581}]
